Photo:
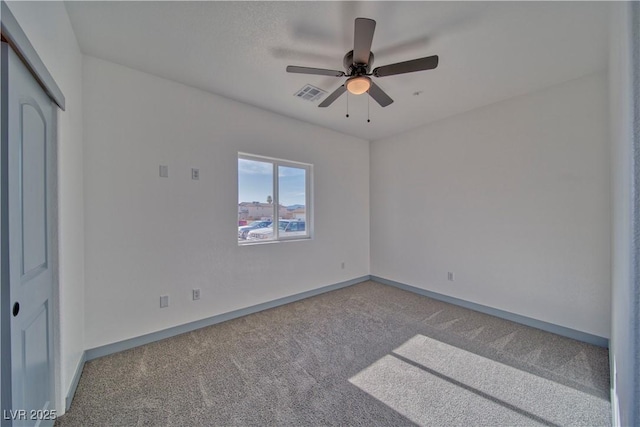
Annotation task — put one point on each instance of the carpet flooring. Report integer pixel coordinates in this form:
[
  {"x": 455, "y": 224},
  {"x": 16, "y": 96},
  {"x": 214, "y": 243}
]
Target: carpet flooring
[{"x": 366, "y": 355}]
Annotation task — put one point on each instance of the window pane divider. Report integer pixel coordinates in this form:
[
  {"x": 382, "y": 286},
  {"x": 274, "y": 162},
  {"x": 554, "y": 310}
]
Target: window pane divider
[{"x": 276, "y": 204}]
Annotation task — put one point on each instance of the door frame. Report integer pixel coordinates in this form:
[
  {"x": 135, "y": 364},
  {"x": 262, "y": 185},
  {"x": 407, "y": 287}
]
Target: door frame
[{"x": 14, "y": 36}]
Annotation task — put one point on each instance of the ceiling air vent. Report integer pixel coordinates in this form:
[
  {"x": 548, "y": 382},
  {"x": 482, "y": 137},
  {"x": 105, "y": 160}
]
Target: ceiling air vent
[{"x": 310, "y": 93}]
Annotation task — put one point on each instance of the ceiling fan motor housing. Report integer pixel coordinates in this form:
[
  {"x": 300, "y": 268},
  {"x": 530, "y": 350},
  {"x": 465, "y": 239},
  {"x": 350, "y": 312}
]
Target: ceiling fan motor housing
[{"x": 356, "y": 69}]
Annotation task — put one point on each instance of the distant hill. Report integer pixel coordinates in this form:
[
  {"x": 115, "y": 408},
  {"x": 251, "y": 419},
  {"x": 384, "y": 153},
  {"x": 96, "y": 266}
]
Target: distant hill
[{"x": 294, "y": 207}]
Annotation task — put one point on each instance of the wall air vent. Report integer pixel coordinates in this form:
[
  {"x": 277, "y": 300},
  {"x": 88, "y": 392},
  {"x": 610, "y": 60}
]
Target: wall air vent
[{"x": 310, "y": 93}]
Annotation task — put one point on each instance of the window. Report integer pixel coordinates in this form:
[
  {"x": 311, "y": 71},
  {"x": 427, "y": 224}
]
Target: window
[{"x": 273, "y": 199}]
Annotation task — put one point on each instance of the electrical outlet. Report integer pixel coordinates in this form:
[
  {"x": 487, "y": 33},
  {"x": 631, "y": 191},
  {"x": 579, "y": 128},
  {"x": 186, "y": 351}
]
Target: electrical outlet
[
  {"x": 450, "y": 276},
  {"x": 164, "y": 171},
  {"x": 195, "y": 175},
  {"x": 196, "y": 294},
  {"x": 164, "y": 301},
  {"x": 342, "y": 265}
]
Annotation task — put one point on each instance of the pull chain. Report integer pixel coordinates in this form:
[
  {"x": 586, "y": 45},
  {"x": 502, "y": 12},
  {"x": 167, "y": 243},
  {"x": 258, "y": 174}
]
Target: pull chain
[
  {"x": 347, "y": 104},
  {"x": 368, "y": 100}
]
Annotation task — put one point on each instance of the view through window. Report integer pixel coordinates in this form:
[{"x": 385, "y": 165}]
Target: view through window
[{"x": 273, "y": 199}]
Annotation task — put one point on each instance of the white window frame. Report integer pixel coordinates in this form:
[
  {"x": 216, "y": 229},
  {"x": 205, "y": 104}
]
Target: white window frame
[{"x": 276, "y": 163}]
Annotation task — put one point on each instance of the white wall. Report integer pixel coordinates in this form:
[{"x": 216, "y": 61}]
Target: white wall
[
  {"x": 624, "y": 337},
  {"x": 513, "y": 198},
  {"x": 147, "y": 236},
  {"x": 48, "y": 28}
]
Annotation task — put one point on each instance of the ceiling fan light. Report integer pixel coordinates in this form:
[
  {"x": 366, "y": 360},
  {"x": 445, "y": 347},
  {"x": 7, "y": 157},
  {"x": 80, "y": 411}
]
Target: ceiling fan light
[{"x": 358, "y": 85}]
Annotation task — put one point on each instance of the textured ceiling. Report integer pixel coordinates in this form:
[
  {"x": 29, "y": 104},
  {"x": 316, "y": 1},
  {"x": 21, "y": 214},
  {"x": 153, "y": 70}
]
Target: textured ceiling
[{"x": 489, "y": 51}]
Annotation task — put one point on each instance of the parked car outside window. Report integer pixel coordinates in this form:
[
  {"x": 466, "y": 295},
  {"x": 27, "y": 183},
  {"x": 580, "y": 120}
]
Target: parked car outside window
[
  {"x": 245, "y": 229},
  {"x": 285, "y": 228}
]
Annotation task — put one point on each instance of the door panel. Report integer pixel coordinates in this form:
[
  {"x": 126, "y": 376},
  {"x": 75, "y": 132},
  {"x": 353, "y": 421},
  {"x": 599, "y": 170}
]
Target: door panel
[
  {"x": 33, "y": 194},
  {"x": 30, "y": 115},
  {"x": 35, "y": 361}
]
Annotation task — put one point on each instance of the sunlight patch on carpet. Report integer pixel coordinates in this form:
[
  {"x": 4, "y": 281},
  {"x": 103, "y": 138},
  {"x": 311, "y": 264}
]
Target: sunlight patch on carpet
[{"x": 434, "y": 383}]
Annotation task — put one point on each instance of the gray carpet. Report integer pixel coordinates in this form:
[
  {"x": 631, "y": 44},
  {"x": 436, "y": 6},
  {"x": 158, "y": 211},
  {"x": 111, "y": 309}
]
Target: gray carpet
[{"x": 369, "y": 355}]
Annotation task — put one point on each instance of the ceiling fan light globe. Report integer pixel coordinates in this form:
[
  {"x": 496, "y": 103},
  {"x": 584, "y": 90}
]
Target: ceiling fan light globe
[{"x": 358, "y": 85}]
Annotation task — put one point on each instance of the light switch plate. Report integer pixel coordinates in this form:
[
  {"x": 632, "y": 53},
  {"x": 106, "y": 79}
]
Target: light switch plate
[
  {"x": 164, "y": 301},
  {"x": 164, "y": 171}
]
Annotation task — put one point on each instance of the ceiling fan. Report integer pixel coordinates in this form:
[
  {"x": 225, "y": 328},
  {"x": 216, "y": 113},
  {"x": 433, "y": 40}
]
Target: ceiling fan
[{"x": 357, "y": 64}]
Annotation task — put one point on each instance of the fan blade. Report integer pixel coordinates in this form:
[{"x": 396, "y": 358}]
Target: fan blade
[
  {"x": 379, "y": 95},
  {"x": 317, "y": 71},
  {"x": 420, "y": 64},
  {"x": 362, "y": 39},
  {"x": 335, "y": 95}
]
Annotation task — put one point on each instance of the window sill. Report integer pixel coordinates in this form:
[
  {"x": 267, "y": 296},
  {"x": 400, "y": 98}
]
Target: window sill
[{"x": 269, "y": 242}]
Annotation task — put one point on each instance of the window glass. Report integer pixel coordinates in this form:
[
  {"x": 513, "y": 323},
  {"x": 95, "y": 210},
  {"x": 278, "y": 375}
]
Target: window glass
[{"x": 272, "y": 191}]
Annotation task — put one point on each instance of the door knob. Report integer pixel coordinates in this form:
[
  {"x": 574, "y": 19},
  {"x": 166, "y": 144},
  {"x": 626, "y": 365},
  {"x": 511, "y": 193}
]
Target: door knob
[{"x": 16, "y": 309}]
